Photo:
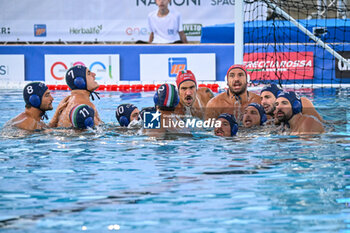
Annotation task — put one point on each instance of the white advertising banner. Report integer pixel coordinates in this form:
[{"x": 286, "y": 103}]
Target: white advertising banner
[
  {"x": 165, "y": 67},
  {"x": 12, "y": 69},
  {"x": 102, "y": 20},
  {"x": 106, "y": 67}
]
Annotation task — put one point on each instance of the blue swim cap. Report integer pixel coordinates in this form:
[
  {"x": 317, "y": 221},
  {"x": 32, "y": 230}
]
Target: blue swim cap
[
  {"x": 123, "y": 113},
  {"x": 232, "y": 120},
  {"x": 166, "y": 97},
  {"x": 76, "y": 77},
  {"x": 293, "y": 99},
  {"x": 33, "y": 93},
  {"x": 261, "y": 110},
  {"x": 273, "y": 88},
  {"x": 82, "y": 116}
]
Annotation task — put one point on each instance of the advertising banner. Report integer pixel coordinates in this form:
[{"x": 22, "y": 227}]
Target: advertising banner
[
  {"x": 342, "y": 70},
  {"x": 102, "y": 20},
  {"x": 12, "y": 68},
  {"x": 106, "y": 67},
  {"x": 165, "y": 67},
  {"x": 280, "y": 65}
]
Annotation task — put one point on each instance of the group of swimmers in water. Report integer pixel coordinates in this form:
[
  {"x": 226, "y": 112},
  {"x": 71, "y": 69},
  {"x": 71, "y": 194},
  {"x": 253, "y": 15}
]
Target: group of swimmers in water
[{"x": 232, "y": 110}]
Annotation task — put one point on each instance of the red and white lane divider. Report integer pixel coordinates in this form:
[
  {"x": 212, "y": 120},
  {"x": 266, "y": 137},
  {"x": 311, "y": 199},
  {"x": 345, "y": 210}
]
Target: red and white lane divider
[{"x": 129, "y": 87}]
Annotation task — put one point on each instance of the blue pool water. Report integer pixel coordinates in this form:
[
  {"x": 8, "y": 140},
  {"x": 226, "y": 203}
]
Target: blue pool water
[{"x": 106, "y": 181}]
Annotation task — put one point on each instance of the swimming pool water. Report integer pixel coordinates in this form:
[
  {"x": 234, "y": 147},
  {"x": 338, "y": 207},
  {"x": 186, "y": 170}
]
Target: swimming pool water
[{"x": 105, "y": 181}]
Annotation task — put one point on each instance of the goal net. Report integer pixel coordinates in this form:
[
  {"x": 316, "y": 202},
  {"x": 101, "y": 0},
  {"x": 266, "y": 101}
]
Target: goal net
[{"x": 305, "y": 43}]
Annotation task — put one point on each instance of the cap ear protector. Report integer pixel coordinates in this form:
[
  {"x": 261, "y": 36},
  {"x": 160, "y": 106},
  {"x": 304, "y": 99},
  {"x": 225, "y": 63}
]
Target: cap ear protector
[
  {"x": 35, "y": 100},
  {"x": 124, "y": 121},
  {"x": 296, "y": 106},
  {"x": 80, "y": 83},
  {"x": 156, "y": 98},
  {"x": 89, "y": 122},
  {"x": 234, "y": 129},
  {"x": 263, "y": 119}
]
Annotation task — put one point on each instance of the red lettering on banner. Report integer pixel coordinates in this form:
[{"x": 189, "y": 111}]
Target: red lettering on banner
[
  {"x": 177, "y": 68},
  {"x": 283, "y": 65}
]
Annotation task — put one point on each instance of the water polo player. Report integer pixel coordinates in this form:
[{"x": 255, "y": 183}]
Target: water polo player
[
  {"x": 126, "y": 113},
  {"x": 288, "y": 110},
  {"x": 83, "y": 85},
  {"x": 38, "y": 100},
  {"x": 254, "y": 115},
  {"x": 229, "y": 126},
  {"x": 236, "y": 98},
  {"x": 192, "y": 99}
]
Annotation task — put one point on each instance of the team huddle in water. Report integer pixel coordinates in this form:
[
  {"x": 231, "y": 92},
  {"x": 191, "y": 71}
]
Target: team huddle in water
[{"x": 227, "y": 113}]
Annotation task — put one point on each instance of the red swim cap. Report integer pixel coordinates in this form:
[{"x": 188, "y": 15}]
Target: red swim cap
[
  {"x": 242, "y": 67},
  {"x": 183, "y": 76}
]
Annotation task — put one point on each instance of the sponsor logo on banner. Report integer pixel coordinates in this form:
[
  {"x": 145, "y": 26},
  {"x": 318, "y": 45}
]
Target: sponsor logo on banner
[
  {"x": 192, "y": 29},
  {"x": 12, "y": 68},
  {"x": 5, "y": 30},
  {"x": 136, "y": 31},
  {"x": 280, "y": 65},
  {"x": 39, "y": 30},
  {"x": 222, "y": 2},
  {"x": 106, "y": 67},
  {"x": 176, "y": 64},
  {"x": 91, "y": 30},
  {"x": 342, "y": 70},
  {"x": 165, "y": 67},
  {"x": 4, "y": 70},
  {"x": 172, "y": 2}
]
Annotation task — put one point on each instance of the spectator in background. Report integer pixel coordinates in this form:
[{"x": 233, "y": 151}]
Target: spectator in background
[{"x": 165, "y": 25}]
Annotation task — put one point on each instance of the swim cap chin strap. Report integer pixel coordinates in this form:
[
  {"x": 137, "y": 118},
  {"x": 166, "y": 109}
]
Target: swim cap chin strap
[
  {"x": 44, "y": 115},
  {"x": 92, "y": 96}
]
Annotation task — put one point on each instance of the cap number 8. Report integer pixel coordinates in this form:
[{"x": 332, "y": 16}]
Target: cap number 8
[{"x": 30, "y": 90}]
